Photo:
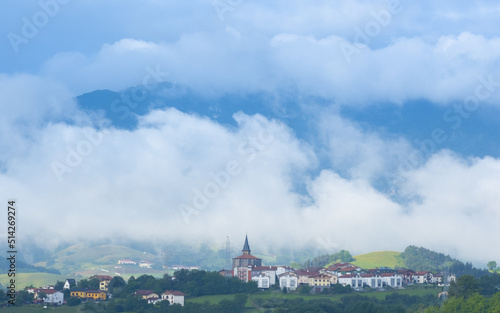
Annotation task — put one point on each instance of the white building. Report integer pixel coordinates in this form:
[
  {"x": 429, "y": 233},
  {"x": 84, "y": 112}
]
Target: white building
[
  {"x": 422, "y": 277},
  {"x": 288, "y": 280},
  {"x": 127, "y": 262},
  {"x": 353, "y": 280},
  {"x": 263, "y": 281},
  {"x": 174, "y": 297},
  {"x": 69, "y": 283},
  {"x": 52, "y": 296},
  {"x": 391, "y": 279}
]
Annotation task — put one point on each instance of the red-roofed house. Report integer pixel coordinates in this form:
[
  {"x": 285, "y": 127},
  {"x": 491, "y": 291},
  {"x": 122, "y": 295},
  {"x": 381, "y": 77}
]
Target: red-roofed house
[
  {"x": 392, "y": 279},
  {"x": 174, "y": 297},
  {"x": 146, "y": 294},
  {"x": 52, "y": 296},
  {"x": 422, "y": 277}
]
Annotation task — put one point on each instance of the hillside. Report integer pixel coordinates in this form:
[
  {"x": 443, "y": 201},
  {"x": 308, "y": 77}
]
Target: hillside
[{"x": 379, "y": 259}]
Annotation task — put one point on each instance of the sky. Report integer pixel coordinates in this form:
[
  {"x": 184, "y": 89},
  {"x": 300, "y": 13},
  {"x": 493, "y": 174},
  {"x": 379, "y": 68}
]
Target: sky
[{"x": 383, "y": 131}]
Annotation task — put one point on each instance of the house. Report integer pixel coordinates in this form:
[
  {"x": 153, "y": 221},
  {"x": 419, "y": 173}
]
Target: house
[
  {"x": 424, "y": 277},
  {"x": 103, "y": 285},
  {"x": 393, "y": 280},
  {"x": 96, "y": 294},
  {"x": 88, "y": 294},
  {"x": 263, "y": 280},
  {"x": 174, "y": 297},
  {"x": 52, "y": 296},
  {"x": 349, "y": 270},
  {"x": 269, "y": 271},
  {"x": 103, "y": 281},
  {"x": 226, "y": 273},
  {"x": 372, "y": 280},
  {"x": 69, "y": 283},
  {"x": 127, "y": 262},
  {"x": 353, "y": 280},
  {"x": 319, "y": 280},
  {"x": 288, "y": 280},
  {"x": 243, "y": 273},
  {"x": 79, "y": 293},
  {"x": 145, "y": 264},
  {"x": 407, "y": 275},
  {"x": 303, "y": 276},
  {"x": 146, "y": 294}
]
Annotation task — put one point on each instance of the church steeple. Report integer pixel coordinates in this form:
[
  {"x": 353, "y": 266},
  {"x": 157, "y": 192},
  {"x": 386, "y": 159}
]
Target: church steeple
[{"x": 246, "y": 247}]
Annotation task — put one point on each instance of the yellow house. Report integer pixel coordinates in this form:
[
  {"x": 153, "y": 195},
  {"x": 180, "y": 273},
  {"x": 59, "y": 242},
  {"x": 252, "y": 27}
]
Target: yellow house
[
  {"x": 84, "y": 294},
  {"x": 103, "y": 285},
  {"x": 320, "y": 280},
  {"x": 78, "y": 293},
  {"x": 96, "y": 294}
]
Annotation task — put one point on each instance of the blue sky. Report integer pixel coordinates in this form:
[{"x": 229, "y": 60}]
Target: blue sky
[{"x": 359, "y": 125}]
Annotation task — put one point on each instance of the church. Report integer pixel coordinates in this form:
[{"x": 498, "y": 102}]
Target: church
[{"x": 242, "y": 265}]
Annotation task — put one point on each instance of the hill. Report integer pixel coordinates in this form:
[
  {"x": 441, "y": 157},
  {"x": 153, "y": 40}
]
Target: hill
[{"x": 379, "y": 259}]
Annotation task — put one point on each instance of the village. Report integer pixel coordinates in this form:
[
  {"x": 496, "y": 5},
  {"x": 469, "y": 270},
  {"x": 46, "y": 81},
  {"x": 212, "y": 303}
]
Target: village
[{"x": 249, "y": 268}]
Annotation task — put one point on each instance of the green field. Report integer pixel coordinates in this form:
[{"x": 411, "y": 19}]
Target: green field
[
  {"x": 380, "y": 295},
  {"x": 379, "y": 259},
  {"x": 35, "y": 279},
  {"x": 40, "y": 309},
  {"x": 251, "y": 307}
]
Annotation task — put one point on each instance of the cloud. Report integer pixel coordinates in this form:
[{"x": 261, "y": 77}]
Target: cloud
[
  {"x": 447, "y": 70},
  {"x": 183, "y": 177}
]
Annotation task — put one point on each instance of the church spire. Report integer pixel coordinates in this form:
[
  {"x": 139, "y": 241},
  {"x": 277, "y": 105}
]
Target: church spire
[{"x": 246, "y": 247}]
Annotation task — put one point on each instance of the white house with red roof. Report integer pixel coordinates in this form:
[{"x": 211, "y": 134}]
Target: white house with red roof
[
  {"x": 393, "y": 280},
  {"x": 127, "y": 262},
  {"x": 353, "y": 280},
  {"x": 263, "y": 280},
  {"x": 52, "y": 296},
  {"x": 174, "y": 297},
  {"x": 422, "y": 277},
  {"x": 288, "y": 280}
]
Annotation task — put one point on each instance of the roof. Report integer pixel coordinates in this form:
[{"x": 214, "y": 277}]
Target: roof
[
  {"x": 102, "y": 277},
  {"x": 174, "y": 292},
  {"x": 333, "y": 268},
  {"x": 246, "y": 256},
  {"x": 70, "y": 280},
  {"x": 349, "y": 276},
  {"x": 422, "y": 273},
  {"x": 349, "y": 269},
  {"x": 387, "y": 274},
  {"x": 246, "y": 246},
  {"x": 95, "y": 291},
  {"x": 48, "y": 291},
  {"x": 306, "y": 273},
  {"x": 264, "y": 268}
]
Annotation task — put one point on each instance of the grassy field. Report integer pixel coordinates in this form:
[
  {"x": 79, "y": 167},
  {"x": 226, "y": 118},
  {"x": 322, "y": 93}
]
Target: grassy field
[
  {"x": 251, "y": 308},
  {"x": 35, "y": 279},
  {"x": 380, "y": 295},
  {"x": 40, "y": 309},
  {"x": 379, "y": 259}
]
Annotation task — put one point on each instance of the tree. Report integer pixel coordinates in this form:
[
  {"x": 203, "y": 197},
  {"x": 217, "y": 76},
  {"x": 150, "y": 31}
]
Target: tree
[
  {"x": 116, "y": 286},
  {"x": 42, "y": 295},
  {"x": 492, "y": 265},
  {"x": 464, "y": 287},
  {"x": 59, "y": 285},
  {"x": 73, "y": 301}
]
